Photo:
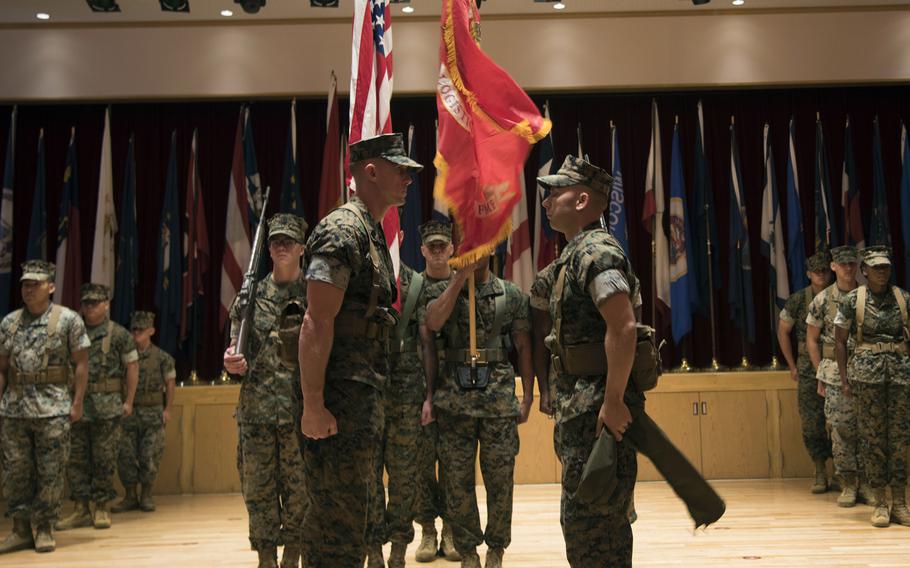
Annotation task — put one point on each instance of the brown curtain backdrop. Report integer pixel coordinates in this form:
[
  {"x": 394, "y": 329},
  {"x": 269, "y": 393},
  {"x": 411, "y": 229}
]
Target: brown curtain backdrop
[{"x": 152, "y": 123}]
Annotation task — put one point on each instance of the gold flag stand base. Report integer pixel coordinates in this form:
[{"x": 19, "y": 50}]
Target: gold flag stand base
[
  {"x": 775, "y": 364},
  {"x": 684, "y": 367},
  {"x": 194, "y": 379},
  {"x": 745, "y": 365},
  {"x": 224, "y": 379},
  {"x": 715, "y": 367}
]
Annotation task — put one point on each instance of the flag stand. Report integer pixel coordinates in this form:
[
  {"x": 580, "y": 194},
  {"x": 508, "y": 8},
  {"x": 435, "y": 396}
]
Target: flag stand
[
  {"x": 472, "y": 321},
  {"x": 715, "y": 365},
  {"x": 775, "y": 361}
]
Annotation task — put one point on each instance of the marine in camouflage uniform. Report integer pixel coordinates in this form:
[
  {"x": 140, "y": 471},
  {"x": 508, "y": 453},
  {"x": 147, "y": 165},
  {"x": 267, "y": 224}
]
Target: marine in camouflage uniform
[
  {"x": 487, "y": 416},
  {"x": 878, "y": 375},
  {"x": 344, "y": 353},
  {"x": 142, "y": 435},
  {"x": 810, "y": 404},
  {"x": 271, "y": 460},
  {"x": 402, "y": 399},
  {"x": 437, "y": 249},
  {"x": 591, "y": 271},
  {"x": 112, "y": 371},
  {"x": 38, "y": 343},
  {"x": 839, "y": 408}
]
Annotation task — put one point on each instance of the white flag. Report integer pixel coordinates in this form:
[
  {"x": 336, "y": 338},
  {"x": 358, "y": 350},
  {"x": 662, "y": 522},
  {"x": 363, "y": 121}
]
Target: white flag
[{"x": 103, "y": 259}]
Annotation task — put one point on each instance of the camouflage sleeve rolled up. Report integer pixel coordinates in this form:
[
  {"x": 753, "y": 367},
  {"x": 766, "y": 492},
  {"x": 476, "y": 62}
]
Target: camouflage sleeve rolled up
[
  {"x": 518, "y": 306},
  {"x": 846, "y": 312},
  {"x": 792, "y": 308},
  {"x": 430, "y": 293},
  {"x": 234, "y": 315},
  {"x": 608, "y": 284},
  {"x": 168, "y": 370},
  {"x": 542, "y": 287},
  {"x": 816, "y": 313},
  {"x": 129, "y": 353},
  {"x": 76, "y": 335},
  {"x": 5, "y": 335},
  {"x": 332, "y": 249}
]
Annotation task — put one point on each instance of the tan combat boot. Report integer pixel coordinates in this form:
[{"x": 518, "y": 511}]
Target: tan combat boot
[
  {"x": 268, "y": 557},
  {"x": 44, "y": 538},
  {"x": 80, "y": 517},
  {"x": 396, "y": 557},
  {"x": 102, "y": 518},
  {"x": 847, "y": 497},
  {"x": 881, "y": 518},
  {"x": 19, "y": 539},
  {"x": 899, "y": 512},
  {"x": 865, "y": 494},
  {"x": 129, "y": 501},
  {"x": 447, "y": 546},
  {"x": 470, "y": 560},
  {"x": 374, "y": 556},
  {"x": 426, "y": 550},
  {"x": 821, "y": 478},
  {"x": 290, "y": 557},
  {"x": 146, "y": 504},
  {"x": 494, "y": 558}
]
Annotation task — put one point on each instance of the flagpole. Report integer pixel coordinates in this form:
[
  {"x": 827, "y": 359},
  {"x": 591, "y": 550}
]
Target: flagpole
[
  {"x": 744, "y": 364},
  {"x": 715, "y": 365}
]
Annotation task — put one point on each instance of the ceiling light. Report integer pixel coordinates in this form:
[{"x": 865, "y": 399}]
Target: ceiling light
[
  {"x": 227, "y": 13},
  {"x": 175, "y": 5},
  {"x": 323, "y": 3},
  {"x": 408, "y": 10},
  {"x": 43, "y": 16},
  {"x": 559, "y": 6},
  {"x": 252, "y": 6},
  {"x": 739, "y": 2},
  {"x": 103, "y": 5},
  {"x": 700, "y": 2}
]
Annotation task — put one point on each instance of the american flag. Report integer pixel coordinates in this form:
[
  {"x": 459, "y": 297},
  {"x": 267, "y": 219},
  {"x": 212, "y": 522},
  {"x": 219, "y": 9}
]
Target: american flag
[
  {"x": 371, "y": 91},
  {"x": 237, "y": 234}
]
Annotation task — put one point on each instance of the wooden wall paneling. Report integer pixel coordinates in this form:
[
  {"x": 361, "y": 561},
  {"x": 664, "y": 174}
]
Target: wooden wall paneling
[
  {"x": 673, "y": 413},
  {"x": 795, "y": 460},
  {"x": 536, "y": 460},
  {"x": 215, "y": 459},
  {"x": 734, "y": 435}
]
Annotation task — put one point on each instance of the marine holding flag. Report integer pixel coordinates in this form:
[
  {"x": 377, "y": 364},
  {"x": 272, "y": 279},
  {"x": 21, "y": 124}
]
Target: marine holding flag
[{"x": 487, "y": 125}]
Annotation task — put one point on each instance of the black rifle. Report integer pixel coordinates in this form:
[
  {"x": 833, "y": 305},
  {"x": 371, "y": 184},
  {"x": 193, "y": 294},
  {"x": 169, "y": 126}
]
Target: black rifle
[{"x": 246, "y": 300}]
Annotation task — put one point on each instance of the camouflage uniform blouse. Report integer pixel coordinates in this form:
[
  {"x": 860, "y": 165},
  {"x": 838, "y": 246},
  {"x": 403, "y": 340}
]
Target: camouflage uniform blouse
[
  {"x": 338, "y": 253},
  {"x": 596, "y": 270},
  {"x": 542, "y": 287},
  {"x": 269, "y": 392},
  {"x": 795, "y": 311},
  {"x": 156, "y": 367},
  {"x": 822, "y": 312},
  {"x": 406, "y": 383},
  {"x": 107, "y": 405},
  {"x": 26, "y": 350},
  {"x": 882, "y": 323},
  {"x": 498, "y": 398}
]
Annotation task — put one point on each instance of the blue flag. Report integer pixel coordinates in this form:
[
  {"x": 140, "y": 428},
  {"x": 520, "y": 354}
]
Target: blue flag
[
  {"x": 127, "y": 246},
  {"x": 742, "y": 306},
  {"x": 617, "y": 209},
  {"x": 879, "y": 229},
  {"x": 682, "y": 285},
  {"x": 826, "y": 235},
  {"x": 411, "y": 217},
  {"x": 704, "y": 228},
  {"x": 6, "y": 219},
  {"x": 290, "y": 189},
  {"x": 251, "y": 172},
  {"x": 796, "y": 246},
  {"x": 37, "y": 229},
  {"x": 905, "y": 201},
  {"x": 168, "y": 279},
  {"x": 772, "y": 234}
]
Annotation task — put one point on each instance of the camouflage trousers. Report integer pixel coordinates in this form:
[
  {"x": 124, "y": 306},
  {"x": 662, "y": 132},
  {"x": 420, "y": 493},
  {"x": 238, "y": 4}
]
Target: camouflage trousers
[
  {"x": 839, "y": 410},
  {"x": 459, "y": 437},
  {"x": 394, "y": 521},
  {"x": 339, "y": 473},
  {"x": 597, "y": 535},
  {"x": 812, "y": 415},
  {"x": 141, "y": 446},
  {"x": 273, "y": 483},
  {"x": 883, "y": 417},
  {"x": 93, "y": 459},
  {"x": 430, "y": 502},
  {"x": 35, "y": 452}
]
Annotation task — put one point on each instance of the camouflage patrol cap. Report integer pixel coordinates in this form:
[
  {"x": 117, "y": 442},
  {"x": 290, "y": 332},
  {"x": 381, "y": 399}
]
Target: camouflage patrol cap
[
  {"x": 142, "y": 320},
  {"x": 387, "y": 146},
  {"x": 576, "y": 171},
  {"x": 877, "y": 256},
  {"x": 435, "y": 231},
  {"x": 844, "y": 255},
  {"x": 819, "y": 262},
  {"x": 92, "y": 292},
  {"x": 288, "y": 224},
  {"x": 40, "y": 270}
]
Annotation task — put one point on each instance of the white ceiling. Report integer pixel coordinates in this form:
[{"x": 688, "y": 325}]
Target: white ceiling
[{"x": 77, "y": 11}]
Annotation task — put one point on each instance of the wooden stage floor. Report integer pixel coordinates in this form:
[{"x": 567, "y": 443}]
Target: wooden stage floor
[{"x": 768, "y": 523}]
